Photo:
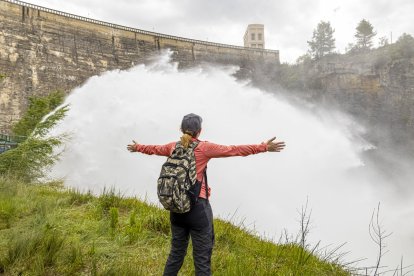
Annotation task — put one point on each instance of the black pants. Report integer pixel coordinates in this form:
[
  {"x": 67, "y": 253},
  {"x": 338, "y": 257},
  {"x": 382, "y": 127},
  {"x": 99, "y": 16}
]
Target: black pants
[{"x": 198, "y": 223}]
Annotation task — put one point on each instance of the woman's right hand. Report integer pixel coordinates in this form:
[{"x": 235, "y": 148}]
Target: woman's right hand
[
  {"x": 275, "y": 146},
  {"x": 132, "y": 147}
]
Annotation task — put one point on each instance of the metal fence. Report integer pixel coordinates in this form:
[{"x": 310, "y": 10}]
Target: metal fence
[
  {"x": 8, "y": 142},
  {"x": 116, "y": 26}
]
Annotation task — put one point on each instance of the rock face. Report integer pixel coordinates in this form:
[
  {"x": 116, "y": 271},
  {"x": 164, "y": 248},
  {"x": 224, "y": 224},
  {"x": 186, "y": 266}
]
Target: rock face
[
  {"x": 375, "y": 86},
  {"x": 42, "y": 50}
]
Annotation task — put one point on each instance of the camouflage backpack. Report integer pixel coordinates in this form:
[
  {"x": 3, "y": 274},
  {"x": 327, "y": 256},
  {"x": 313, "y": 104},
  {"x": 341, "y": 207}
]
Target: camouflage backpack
[{"x": 178, "y": 187}]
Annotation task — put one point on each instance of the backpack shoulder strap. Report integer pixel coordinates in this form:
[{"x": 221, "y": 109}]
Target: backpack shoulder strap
[
  {"x": 194, "y": 144},
  {"x": 205, "y": 177}
]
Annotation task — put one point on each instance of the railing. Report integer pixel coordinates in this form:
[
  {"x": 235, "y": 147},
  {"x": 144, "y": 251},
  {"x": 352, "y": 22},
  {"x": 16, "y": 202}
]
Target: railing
[
  {"x": 10, "y": 138},
  {"x": 8, "y": 142},
  {"x": 116, "y": 26}
]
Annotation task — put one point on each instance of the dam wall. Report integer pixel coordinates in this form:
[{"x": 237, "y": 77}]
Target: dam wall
[{"x": 43, "y": 50}]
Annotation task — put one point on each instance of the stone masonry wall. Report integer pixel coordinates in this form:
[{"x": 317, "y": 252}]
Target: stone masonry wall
[{"x": 42, "y": 50}]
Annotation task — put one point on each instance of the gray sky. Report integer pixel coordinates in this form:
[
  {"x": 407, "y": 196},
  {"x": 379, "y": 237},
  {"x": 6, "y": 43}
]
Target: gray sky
[{"x": 288, "y": 24}]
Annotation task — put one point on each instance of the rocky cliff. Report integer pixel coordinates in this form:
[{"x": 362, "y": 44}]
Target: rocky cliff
[{"x": 375, "y": 86}]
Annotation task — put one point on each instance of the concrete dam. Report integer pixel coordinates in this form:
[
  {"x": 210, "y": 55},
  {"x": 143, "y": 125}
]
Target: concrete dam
[{"x": 43, "y": 50}]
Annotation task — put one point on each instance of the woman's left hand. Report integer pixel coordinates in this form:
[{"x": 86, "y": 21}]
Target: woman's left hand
[
  {"x": 132, "y": 147},
  {"x": 275, "y": 146}
]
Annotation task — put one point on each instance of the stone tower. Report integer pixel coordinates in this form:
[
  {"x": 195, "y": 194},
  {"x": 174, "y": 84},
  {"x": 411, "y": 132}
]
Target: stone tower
[{"x": 254, "y": 36}]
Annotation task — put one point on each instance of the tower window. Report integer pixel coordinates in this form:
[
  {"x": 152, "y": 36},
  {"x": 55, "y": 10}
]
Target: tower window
[{"x": 253, "y": 36}]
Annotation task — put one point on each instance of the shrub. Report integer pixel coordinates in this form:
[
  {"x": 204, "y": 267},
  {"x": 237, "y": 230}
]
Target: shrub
[
  {"x": 404, "y": 47},
  {"x": 32, "y": 157},
  {"x": 38, "y": 108}
]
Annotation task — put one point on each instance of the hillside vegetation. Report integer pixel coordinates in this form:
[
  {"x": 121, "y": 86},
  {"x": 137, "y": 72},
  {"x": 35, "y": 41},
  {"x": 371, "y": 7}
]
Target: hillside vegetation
[{"x": 46, "y": 229}]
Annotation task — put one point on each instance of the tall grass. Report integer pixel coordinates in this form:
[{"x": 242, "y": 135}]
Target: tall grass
[
  {"x": 56, "y": 231},
  {"x": 109, "y": 198}
]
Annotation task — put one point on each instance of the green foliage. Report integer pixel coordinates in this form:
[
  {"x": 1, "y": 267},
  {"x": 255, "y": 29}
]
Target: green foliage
[
  {"x": 290, "y": 76},
  {"x": 109, "y": 198},
  {"x": 45, "y": 244},
  {"x": 322, "y": 42},
  {"x": 157, "y": 222},
  {"x": 79, "y": 198},
  {"x": 75, "y": 256},
  {"x": 114, "y": 215},
  {"x": 7, "y": 212},
  {"x": 364, "y": 35},
  {"x": 65, "y": 239},
  {"x": 133, "y": 218},
  {"x": 134, "y": 228},
  {"x": 32, "y": 157},
  {"x": 35, "y": 154},
  {"x": 305, "y": 59},
  {"x": 37, "y": 109},
  {"x": 404, "y": 47},
  {"x": 383, "y": 41}
]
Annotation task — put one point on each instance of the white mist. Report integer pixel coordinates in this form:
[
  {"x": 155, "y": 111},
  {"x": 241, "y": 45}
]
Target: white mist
[{"x": 320, "y": 162}]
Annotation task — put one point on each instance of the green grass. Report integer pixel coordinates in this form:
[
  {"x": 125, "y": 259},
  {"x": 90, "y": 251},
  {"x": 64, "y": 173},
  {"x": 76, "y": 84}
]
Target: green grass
[{"x": 46, "y": 229}]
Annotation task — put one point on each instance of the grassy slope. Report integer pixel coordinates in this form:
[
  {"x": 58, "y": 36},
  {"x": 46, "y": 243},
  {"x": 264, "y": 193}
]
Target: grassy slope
[{"x": 49, "y": 230}]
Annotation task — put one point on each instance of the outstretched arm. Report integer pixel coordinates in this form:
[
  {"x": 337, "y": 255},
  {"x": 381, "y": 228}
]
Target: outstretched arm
[
  {"x": 163, "y": 150},
  {"x": 212, "y": 150}
]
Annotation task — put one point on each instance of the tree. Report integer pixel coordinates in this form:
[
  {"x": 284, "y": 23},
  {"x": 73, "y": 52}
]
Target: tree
[
  {"x": 32, "y": 157},
  {"x": 38, "y": 108},
  {"x": 30, "y": 160},
  {"x": 383, "y": 41},
  {"x": 364, "y": 35},
  {"x": 350, "y": 48},
  {"x": 404, "y": 47},
  {"x": 304, "y": 59},
  {"x": 322, "y": 42}
]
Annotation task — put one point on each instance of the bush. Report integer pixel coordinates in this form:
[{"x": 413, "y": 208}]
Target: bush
[
  {"x": 404, "y": 47},
  {"x": 30, "y": 158},
  {"x": 38, "y": 108}
]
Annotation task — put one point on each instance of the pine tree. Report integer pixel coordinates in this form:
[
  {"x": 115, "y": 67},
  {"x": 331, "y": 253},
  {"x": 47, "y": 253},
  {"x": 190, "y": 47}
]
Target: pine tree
[
  {"x": 364, "y": 35},
  {"x": 322, "y": 42},
  {"x": 404, "y": 47}
]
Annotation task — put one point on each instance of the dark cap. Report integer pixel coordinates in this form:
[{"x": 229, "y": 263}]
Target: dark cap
[{"x": 191, "y": 123}]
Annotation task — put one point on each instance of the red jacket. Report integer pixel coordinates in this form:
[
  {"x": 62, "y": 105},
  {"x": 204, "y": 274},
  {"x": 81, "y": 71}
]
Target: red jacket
[{"x": 203, "y": 153}]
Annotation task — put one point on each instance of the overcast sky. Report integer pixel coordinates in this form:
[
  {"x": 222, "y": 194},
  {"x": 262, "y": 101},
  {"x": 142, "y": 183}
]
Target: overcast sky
[{"x": 288, "y": 24}]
